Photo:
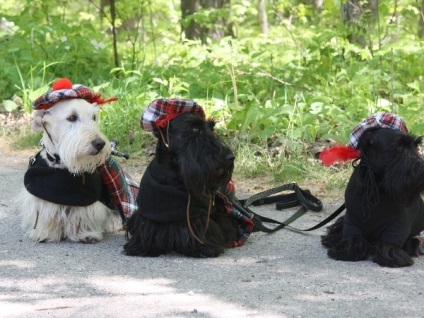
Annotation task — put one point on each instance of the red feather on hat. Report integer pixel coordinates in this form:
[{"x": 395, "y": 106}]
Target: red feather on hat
[
  {"x": 99, "y": 100},
  {"x": 338, "y": 153}
]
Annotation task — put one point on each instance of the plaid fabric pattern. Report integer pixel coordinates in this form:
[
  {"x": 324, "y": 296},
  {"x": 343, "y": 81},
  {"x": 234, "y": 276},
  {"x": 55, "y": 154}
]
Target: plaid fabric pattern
[
  {"x": 53, "y": 96},
  {"x": 227, "y": 194},
  {"x": 379, "y": 120},
  {"x": 122, "y": 188},
  {"x": 161, "y": 111}
]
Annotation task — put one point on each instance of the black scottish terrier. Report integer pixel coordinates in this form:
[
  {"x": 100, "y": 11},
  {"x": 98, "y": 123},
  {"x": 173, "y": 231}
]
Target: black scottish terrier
[
  {"x": 384, "y": 207},
  {"x": 178, "y": 210}
]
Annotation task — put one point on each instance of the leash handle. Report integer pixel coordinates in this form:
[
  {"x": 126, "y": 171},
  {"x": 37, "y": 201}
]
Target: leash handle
[
  {"x": 259, "y": 198},
  {"x": 308, "y": 200},
  {"x": 304, "y": 197}
]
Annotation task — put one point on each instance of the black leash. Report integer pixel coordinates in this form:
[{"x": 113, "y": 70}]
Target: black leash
[{"x": 284, "y": 201}]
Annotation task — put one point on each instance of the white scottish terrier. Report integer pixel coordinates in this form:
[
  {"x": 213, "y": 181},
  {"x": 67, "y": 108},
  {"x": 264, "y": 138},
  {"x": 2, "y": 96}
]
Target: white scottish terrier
[{"x": 73, "y": 143}]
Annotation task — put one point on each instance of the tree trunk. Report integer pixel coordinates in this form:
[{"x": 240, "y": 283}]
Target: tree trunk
[
  {"x": 360, "y": 17},
  {"x": 421, "y": 22},
  {"x": 112, "y": 22},
  {"x": 112, "y": 9},
  {"x": 214, "y": 29},
  {"x": 193, "y": 30},
  {"x": 219, "y": 27},
  {"x": 263, "y": 17}
]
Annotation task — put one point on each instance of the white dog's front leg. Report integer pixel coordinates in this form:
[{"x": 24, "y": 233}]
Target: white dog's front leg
[
  {"x": 87, "y": 224},
  {"x": 42, "y": 220}
]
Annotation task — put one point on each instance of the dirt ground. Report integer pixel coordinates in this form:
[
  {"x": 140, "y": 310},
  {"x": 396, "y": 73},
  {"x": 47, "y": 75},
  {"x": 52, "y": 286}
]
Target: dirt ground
[{"x": 285, "y": 274}]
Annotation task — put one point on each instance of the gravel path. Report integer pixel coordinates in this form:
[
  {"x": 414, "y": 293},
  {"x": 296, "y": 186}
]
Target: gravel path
[{"x": 285, "y": 274}]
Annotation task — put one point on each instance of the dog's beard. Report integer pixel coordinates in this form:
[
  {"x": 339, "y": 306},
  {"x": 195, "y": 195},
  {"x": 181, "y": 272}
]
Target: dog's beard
[
  {"x": 205, "y": 168},
  {"x": 404, "y": 179},
  {"x": 77, "y": 153}
]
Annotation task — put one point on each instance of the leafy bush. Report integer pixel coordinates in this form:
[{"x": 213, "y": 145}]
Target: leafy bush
[{"x": 302, "y": 83}]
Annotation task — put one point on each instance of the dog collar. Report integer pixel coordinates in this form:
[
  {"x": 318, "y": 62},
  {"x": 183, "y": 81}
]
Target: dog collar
[{"x": 55, "y": 159}]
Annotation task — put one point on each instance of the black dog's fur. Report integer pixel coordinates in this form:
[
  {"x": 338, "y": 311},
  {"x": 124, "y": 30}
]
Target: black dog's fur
[
  {"x": 384, "y": 207},
  {"x": 195, "y": 163}
]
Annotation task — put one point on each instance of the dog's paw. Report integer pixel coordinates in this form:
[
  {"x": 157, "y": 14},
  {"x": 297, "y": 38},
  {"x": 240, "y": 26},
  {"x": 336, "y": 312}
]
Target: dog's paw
[
  {"x": 90, "y": 240},
  {"x": 136, "y": 250},
  {"x": 334, "y": 234},
  {"x": 412, "y": 247},
  {"x": 204, "y": 251},
  {"x": 391, "y": 256},
  {"x": 352, "y": 248}
]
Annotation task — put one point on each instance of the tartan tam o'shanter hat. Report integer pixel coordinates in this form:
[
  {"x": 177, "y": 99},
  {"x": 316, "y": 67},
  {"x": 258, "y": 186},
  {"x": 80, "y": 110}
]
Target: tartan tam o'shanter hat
[
  {"x": 64, "y": 89},
  {"x": 161, "y": 111},
  {"x": 378, "y": 120}
]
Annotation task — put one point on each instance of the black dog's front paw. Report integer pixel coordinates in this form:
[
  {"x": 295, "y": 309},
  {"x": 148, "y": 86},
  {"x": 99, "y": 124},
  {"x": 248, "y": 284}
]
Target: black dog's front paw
[
  {"x": 391, "y": 256},
  {"x": 412, "y": 247},
  {"x": 205, "y": 251},
  {"x": 334, "y": 234},
  {"x": 352, "y": 248}
]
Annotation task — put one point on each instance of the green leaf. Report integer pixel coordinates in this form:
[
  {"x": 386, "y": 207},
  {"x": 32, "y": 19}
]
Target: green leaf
[
  {"x": 10, "y": 105},
  {"x": 414, "y": 85}
]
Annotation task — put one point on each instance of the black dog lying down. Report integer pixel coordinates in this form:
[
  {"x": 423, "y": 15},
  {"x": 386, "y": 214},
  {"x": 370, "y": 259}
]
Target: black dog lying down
[
  {"x": 384, "y": 207},
  {"x": 178, "y": 207}
]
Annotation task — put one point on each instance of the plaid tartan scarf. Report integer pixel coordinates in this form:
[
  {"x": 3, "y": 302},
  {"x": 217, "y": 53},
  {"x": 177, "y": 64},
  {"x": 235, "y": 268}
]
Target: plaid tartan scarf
[
  {"x": 246, "y": 224},
  {"x": 121, "y": 187}
]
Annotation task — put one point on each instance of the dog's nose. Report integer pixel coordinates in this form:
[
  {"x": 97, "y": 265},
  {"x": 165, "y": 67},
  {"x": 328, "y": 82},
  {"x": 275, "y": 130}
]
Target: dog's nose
[
  {"x": 98, "y": 143},
  {"x": 230, "y": 157}
]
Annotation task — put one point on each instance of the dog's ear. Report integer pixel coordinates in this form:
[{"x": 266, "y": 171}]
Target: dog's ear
[{"x": 37, "y": 119}]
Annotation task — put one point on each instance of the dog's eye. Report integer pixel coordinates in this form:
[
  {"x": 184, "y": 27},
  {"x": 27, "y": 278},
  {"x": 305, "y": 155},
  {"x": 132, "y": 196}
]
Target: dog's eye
[
  {"x": 72, "y": 118},
  {"x": 94, "y": 117},
  {"x": 196, "y": 130}
]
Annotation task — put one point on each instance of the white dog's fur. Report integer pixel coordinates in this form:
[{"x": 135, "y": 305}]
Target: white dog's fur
[{"x": 69, "y": 131}]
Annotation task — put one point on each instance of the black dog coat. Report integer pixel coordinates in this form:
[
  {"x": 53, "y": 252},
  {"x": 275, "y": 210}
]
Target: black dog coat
[
  {"x": 388, "y": 221},
  {"x": 62, "y": 187},
  {"x": 159, "y": 183},
  {"x": 109, "y": 184}
]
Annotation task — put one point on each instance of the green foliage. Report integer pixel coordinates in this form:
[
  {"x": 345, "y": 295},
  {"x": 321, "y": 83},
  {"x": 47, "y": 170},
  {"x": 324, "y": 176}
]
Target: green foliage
[
  {"x": 28, "y": 139},
  {"x": 304, "y": 81}
]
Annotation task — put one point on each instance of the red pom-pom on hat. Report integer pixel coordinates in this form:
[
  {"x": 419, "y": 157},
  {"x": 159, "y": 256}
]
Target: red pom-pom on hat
[
  {"x": 62, "y": 83},
  {"x": 338, "y": 153}
]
